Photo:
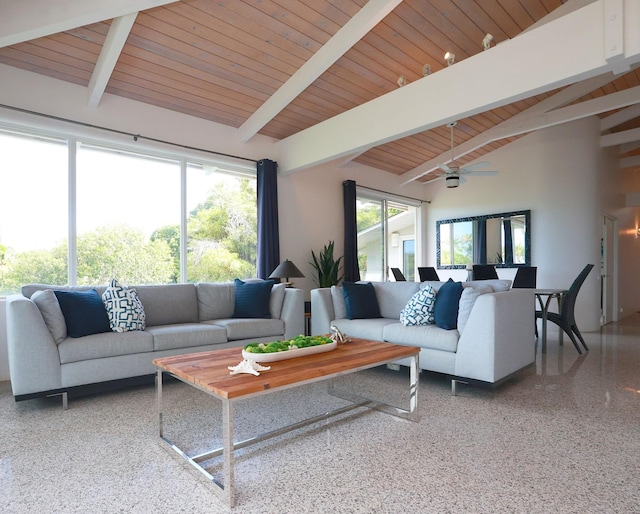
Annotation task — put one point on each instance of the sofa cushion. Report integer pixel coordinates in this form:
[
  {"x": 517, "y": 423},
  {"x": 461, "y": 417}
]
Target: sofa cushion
[
  {"x": 497, "y": 285},
  {"x": 252, "y": 299},
  {"x": 426, "y": 336},
  {"x": 215, "y": 301},
  {"x": 361, "y": 300},
  {"x": 100, "y": 346},
  {"x": 372, "y": 328},
  {"x": 124, "y": 308},
  {"x": 277, "y": 300},
  {"x": 169, "y": 304},
  {"x": 249, "y": 328},
  {"x": 445, "y": 310},
  {"x": 339, "y": 307},
  {"x": 419, "y": 309},
  {"x": 467, "y": 300},
  {"x": 84, "y": 313},
  {"x": 185, "y": 335},
  {"x": 49, "y": 307},
  {"x": 393, "y": 296}
]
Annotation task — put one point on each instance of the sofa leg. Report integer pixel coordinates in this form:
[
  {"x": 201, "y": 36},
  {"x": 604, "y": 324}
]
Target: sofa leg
[
  {"x": 454, "y": 382},
  {"x": 65, "y": 403}
]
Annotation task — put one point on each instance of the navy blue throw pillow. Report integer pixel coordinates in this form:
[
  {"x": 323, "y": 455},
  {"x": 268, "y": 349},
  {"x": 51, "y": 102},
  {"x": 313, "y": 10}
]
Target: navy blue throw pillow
[
  {"x": 445, "y": 310},
  {"x": 253, "y": 299},
  {"x": 84, "y": 313},
  {"x": 361, "y": 300}
]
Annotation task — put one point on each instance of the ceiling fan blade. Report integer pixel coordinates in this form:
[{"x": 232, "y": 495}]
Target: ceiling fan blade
[
  {"x": 476, "y": 165},
  {"x": 445, "y": 168},
  {"x": 481, "y": 173}
]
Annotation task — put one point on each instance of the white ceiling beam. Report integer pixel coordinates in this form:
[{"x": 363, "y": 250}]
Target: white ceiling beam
[
  {"x": 113, "y": 44},
  {"x": 620, "y": 117},
  {"x": 567, "y": 95},
  {"x": 354, "y": 30},
  {"x": 520, "y": 124},
  {"x": 30, "y": 19},
  {"x": 571, "y": 113},
  {"x": 630, "y": 162},
  {"x": 629, "y": 147},
  {"x": 561, "y": 52},
  {"x": 620, "y": 138}
]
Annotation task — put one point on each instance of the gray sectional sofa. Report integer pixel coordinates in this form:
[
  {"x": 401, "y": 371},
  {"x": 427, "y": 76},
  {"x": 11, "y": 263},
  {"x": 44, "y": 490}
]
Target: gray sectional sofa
[
  {"x": 495, "y": 341},
  {"x": 180, "y": 318}
]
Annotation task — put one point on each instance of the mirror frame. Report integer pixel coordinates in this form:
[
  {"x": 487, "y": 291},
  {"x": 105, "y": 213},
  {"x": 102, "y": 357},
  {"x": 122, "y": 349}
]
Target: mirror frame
[{"x": 527, "y": 238}]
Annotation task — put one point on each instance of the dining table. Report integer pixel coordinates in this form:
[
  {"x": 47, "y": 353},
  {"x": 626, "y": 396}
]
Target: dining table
[{"x": 544, "y": 297}]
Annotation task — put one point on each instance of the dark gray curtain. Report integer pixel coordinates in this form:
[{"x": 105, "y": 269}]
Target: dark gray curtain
[
  {"x": 480, "y": 251},
  {"x": 351, "y": 270},
  {"x": 508, "y": 242},
  {"x": 268, "y": 231}
]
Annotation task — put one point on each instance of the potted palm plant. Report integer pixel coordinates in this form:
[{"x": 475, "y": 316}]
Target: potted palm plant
[{"x": 326, "y": 266}]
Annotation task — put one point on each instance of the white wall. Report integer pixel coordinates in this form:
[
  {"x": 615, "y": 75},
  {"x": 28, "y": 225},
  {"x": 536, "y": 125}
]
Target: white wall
[
  {"x": 558, "y": 173},
  {"x": 311, "y": 210}
]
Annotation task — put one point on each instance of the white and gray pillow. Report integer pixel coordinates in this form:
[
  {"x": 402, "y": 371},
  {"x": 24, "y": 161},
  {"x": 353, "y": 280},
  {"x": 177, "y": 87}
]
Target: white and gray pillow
[{"x": 124, "y": 308}]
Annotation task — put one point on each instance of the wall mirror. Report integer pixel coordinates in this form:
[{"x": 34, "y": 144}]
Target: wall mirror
[{"x": 502, "y": 239}]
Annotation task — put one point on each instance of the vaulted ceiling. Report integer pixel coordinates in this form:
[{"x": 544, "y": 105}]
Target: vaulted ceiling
[{"x": 291, "y": 70}]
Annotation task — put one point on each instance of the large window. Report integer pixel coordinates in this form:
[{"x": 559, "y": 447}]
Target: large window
[
  {"x": 123, "y": 201},
  {"x": 221, "y": 226},
  {"x": 126, "y": 217},
  {"x": 386, "y": 236},
  {"x": 33, "y": 211}
]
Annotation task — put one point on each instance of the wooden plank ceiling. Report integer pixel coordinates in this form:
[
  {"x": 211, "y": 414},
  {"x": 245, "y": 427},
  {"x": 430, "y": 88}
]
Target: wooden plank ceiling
[{"x": 222, "y": 60}]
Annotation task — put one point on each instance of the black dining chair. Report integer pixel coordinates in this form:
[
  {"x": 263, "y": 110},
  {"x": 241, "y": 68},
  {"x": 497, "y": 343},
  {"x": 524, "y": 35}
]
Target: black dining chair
[
  {"x": 397, "y": 274},
  {"x": 428, "y": 273},
  {"x": 526, "y": 277},
  {"x": 484, "y": 272},
  {"x": 565, "y": 319}
]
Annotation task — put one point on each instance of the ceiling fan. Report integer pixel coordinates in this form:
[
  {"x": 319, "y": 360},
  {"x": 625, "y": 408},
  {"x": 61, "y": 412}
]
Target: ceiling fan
[{"x": 453, "y": 172}]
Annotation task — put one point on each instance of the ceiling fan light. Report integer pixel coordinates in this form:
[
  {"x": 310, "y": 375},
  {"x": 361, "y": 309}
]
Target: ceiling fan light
[{"x": 452, "y": 181}]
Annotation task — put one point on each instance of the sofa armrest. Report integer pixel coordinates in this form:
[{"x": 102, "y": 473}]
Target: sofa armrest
[
  {"x": 322, "y": 312},
  {"x": 293, "y": 312},
  {"x": 499, "y": 337},
  {"x": 34, "y": 361}
]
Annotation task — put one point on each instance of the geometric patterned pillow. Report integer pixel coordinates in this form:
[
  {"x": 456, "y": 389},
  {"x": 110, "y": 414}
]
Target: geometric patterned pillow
[
  {"x": 124, "y": 308},
  {"x": 419, "y": 309}
]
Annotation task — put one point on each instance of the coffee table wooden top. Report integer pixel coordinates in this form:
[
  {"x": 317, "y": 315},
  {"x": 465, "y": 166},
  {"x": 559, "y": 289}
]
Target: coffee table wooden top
[{"x": 209, "y": 370}]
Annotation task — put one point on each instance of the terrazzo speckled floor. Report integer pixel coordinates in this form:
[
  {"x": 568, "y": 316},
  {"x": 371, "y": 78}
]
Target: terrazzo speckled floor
[{"x": 562, "y": 437}]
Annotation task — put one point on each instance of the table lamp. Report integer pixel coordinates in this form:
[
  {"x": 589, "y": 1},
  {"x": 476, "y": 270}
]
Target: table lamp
[{"x": 286, "y": 269}]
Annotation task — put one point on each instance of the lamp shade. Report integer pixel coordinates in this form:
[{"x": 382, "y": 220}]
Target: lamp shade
[{"x": 286, "y": 269}]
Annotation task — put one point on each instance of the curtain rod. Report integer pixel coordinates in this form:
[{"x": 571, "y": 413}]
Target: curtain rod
[
  {"x": 392, "y": 194},
  {"x": 115, "y": 131}
]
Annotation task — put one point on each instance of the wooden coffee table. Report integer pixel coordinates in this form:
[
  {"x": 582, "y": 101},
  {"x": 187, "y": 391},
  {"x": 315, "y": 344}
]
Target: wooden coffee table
[{"x": 208, "y": 371}]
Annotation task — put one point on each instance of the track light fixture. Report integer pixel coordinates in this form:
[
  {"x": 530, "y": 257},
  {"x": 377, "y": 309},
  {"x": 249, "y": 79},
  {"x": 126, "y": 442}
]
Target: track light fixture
[
  {"x": 402, "y": 81},
  {"x": 426, "y": 70},
  {"x": 450, "y": 57},
  {"x": 486, "y": 41}
]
